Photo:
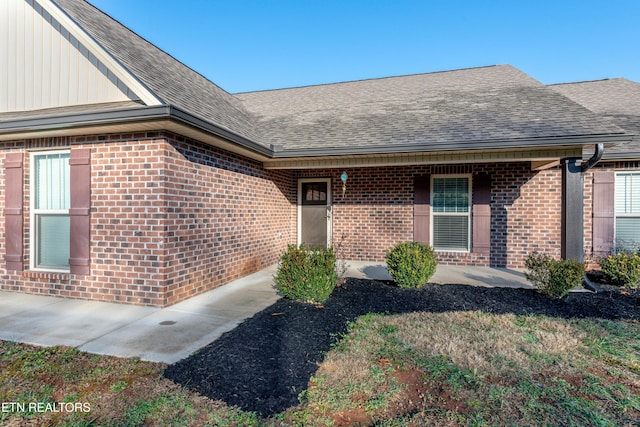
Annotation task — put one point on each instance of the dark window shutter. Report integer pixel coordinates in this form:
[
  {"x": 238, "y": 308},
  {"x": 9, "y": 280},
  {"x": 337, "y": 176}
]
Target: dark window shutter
[
  {"x": 13, "y": 216},
  {"x": 79, "y": 212},
  {"x": 481, "y": 214},
  {"x": 421, "y": 208},
  {"x": 603, "y": 211}
]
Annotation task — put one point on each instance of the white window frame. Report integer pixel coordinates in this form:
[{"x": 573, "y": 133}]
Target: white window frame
[
  {"x": 33, "y": 212},
  {"x": 615, "y": 212},
  {"x": 467, "y": 214}
]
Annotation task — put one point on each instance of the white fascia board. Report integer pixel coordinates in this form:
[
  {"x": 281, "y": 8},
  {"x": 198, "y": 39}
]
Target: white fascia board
[{"x": 127, "y": 77}]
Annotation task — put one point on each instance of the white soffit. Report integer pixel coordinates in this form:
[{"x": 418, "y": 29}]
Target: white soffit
[{"x": 538, "y": 158}]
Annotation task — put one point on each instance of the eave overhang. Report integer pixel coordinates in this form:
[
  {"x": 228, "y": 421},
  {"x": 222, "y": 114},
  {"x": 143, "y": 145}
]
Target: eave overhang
[
  {"x": 541, "y": 152},
  {"x": 137, "y": 119},
  {"x": 542, "y": 156},
  {"x": 629, "y": 156},
  {"x": 486, "y": 144}
]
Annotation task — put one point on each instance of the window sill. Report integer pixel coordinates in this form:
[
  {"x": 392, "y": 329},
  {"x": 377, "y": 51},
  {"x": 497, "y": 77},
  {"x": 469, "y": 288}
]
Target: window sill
[{"x": 47, "y": 274}]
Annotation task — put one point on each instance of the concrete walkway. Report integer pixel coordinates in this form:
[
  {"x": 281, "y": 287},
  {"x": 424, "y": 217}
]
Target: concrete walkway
[
  {"x": 463, "y": 275},
  {"x": 155, "y": 334},
  {"x": 173, "y": 333}
]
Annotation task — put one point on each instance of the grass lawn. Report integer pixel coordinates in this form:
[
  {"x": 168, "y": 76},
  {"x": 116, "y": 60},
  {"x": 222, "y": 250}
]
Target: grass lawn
[{"x": 445, "y": 369}]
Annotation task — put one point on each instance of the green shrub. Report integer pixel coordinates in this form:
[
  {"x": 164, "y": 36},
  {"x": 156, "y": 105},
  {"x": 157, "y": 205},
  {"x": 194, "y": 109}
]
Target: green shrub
[
  {"x": 554, "y": 278},
  {"x": 305, "y": 274},
  {"x": 411, "y": 264},
  {"x": 622, "y": 269}
]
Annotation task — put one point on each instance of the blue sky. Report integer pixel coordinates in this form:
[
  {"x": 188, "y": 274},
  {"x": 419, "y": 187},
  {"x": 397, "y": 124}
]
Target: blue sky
[{"x": 254, "y": 45}]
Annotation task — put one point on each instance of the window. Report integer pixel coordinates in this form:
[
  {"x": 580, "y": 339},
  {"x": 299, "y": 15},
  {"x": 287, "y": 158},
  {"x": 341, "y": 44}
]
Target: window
[
  {"x": 314, "y": 193},
  {"x": 50, "y": 200},
  {"x": 627, "y": 208},
  {"x": 451, "y": 218}
]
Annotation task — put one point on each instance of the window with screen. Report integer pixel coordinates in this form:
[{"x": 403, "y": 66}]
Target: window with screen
[
  {"x": 50, "y": 211},
  {"x": 627, "y": 210},
  {"x": 451, "y": 196}
]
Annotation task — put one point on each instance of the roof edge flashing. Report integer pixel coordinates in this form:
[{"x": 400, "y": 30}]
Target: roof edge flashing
[
  {"x": 57, "y": 121},
  {"x": 276, "y": 151},
  {"x": 509, "y": 144},
  {"x": 127, "y": 115},
  {"x": 184, "y": 116}
]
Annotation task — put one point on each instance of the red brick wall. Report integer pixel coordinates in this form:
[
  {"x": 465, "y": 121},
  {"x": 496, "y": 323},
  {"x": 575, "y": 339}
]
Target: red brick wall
[
  {"x": 532, "y": 204},
  {"x": 170, "y": 218},
  {"x": 126, "y": 220},
  {"x": 226, "y": 217},
  {"x": 377, "y": 211}
]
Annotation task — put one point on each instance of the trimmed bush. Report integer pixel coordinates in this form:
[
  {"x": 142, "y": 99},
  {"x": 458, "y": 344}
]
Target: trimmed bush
[
  {"x": 411, "y": 264},
  {"x": 622, "y": 269},
  {"x": 307, "y": 275},
  {"x": 554, "y": 278}
]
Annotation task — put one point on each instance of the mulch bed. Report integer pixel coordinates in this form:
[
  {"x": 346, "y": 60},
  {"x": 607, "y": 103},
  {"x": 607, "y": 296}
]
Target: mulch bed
[{"x": 264, "y": 364}]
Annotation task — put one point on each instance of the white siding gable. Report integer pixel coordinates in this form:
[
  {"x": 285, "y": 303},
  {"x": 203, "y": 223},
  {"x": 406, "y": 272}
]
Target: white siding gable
[{"x": 44, "y": 65}]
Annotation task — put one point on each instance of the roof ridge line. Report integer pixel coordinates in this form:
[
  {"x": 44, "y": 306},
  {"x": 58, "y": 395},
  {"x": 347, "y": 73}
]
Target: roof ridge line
[
  {"x": 370, "y": 79},
  {"x": 588, "y": 81}
]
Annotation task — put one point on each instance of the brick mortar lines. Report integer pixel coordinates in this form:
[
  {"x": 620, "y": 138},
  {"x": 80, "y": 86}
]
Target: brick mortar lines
[
  {"x": 382, "y": 199},
  {"x": 130, "y": 207},
  {"x": 376, "y": 212}
]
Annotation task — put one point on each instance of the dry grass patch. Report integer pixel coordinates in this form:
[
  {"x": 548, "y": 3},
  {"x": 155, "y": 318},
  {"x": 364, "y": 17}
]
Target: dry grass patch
[
  {"x": 492, "y": 345},
  {"x": 445, "y": 369},
  {"x": 473, "y": 368},
  {"x": 118, "y": 391}
]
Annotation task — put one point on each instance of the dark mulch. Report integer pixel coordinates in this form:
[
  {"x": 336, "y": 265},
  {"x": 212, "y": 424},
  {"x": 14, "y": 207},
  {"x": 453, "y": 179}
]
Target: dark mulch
[{"x": 265, "y": 363}]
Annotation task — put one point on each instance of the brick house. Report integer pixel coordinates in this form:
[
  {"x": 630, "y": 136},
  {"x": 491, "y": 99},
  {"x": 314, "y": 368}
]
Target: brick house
[
  {"x": 125, "y": 176},
  {"x": 612, "y": 187}
]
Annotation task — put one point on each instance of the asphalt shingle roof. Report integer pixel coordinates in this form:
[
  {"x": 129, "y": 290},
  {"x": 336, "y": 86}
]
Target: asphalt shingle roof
[
  {"x": 617, "y": 100},
  {"x": 463, "y": 106},
  {"x": 173, "y": 82}
]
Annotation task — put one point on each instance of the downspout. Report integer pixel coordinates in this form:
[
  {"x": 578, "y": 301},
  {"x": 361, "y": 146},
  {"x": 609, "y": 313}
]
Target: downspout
[
  {"x": 594, "y": 159},
  {"x": 583, "y": 168}
]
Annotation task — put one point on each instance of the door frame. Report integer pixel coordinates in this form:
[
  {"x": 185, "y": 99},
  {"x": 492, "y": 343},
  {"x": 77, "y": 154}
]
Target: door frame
[{"x": 329, "y": 207}]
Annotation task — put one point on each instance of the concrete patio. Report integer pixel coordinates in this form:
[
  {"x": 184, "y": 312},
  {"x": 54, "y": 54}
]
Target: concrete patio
[
  {"x": 173, "y": 333},
  {"x": 463, "y": 275}
]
